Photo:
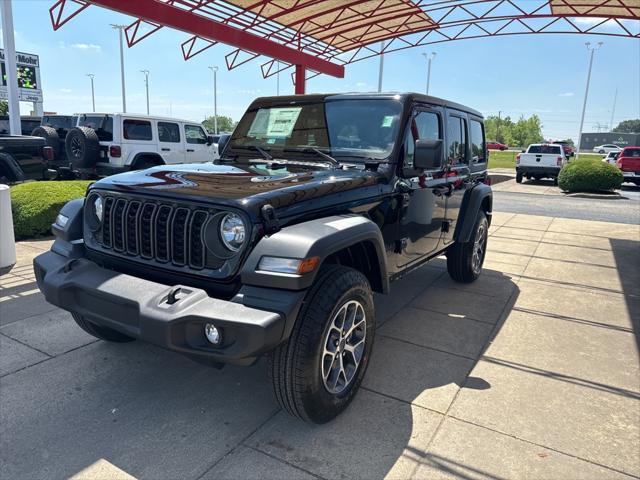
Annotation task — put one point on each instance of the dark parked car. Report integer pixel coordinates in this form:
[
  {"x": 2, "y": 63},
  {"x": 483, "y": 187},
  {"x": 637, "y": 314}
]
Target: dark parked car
[
  {"x": 276, "y": 249},
  {"x": 27, "y": 124},
  {"x": 23, "y": 158}
]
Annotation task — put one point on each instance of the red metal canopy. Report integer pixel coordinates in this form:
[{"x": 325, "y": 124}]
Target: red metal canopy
[{"x": 322, "y": 36}]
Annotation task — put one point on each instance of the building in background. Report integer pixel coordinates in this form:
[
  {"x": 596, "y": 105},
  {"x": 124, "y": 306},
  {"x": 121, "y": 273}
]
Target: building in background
[{"x": 590, "y": 140}]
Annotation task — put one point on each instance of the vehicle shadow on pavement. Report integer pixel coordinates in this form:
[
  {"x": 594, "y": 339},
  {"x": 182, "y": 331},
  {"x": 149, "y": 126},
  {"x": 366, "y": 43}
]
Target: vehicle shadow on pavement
[
  {"x": 626, "y": 254},
  {"x": 423, "y": 356},
  {"x": 155, "y": 414}
]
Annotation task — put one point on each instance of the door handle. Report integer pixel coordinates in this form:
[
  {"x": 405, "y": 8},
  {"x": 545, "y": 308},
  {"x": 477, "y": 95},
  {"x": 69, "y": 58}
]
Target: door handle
[
  {"x": 190, "y": 150},
  {"x": 165, "y": 149}
]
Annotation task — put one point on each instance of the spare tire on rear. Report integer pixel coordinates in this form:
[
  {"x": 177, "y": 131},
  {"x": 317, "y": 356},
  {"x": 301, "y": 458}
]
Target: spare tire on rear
[
  {"x": 50, "y": 136},
  {"x": 83, "y": 147}
]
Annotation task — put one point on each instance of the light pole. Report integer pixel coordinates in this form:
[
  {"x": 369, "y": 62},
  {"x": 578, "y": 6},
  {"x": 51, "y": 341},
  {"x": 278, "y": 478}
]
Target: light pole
[
  {"x": 146, "y": 84},
  {"x": 120, "y": 29},
  {"x": 215, "y": 99},
  {"x": 586, "y": 92},
  {"x": 429, "y": 57},
  {"x": 613, "y": 110},
  {"x": 381, "y": 67},
  {"x": 93, "y": 92}
]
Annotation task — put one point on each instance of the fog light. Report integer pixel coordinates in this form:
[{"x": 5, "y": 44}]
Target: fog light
[{"x": 213, "y": 334}]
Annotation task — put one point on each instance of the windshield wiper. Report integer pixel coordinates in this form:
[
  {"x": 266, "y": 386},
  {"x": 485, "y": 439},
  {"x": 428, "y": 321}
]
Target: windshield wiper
[
  {"x": 264, "y": 153},
  {"x": 315, "y": 150}
]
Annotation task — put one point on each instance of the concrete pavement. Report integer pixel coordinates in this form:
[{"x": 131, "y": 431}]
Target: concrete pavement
[{"x": 531, "y": 372}]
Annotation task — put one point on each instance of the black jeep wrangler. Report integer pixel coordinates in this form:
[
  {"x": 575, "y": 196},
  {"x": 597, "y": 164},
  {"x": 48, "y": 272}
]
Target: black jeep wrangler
[{"x": 316, "y": 202}]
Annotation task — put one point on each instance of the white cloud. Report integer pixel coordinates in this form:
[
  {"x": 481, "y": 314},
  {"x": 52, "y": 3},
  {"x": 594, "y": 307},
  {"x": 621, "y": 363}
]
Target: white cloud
[
  {"x": 86, "y": 47},
  {"x": 566, "y": 94}
]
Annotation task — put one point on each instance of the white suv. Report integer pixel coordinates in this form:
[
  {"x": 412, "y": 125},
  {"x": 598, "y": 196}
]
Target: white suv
[{"x": 103, "y": 143}]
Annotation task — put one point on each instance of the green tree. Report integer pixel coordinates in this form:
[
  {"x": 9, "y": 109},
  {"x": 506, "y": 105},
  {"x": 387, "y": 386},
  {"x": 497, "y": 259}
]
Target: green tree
[
  {"x": 225, "y": 124},
  {"x": 517, "y": 134},
  {"x": 4, "y": 108},
  {"x": 628, "y": 126}
]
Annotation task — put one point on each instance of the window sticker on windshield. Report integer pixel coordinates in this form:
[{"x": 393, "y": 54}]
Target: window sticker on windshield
[
  {"x": 387, "y": 121},
  {"x": 274, "y": 122}
]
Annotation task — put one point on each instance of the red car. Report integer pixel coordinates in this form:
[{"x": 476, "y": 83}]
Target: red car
[
  {"x": 496, "y": 146},
  {"x": 566, "y": 147},
  {"x": 629, "y": 162}
]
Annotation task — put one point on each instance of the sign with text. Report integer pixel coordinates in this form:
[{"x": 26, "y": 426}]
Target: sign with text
[{"x": 28, "y": 71}]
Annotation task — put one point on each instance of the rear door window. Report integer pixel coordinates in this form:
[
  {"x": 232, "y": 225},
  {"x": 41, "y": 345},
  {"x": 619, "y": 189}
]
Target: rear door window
[
  {"x": 456, "y": 140},
  {"x": 137, "y": 130},
  {"x": 168, "y": 132},
  {"x": 477, "y": 142}
]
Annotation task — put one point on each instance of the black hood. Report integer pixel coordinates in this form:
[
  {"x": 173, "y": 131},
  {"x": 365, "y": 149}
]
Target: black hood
[{"x": 247, "y": 186}]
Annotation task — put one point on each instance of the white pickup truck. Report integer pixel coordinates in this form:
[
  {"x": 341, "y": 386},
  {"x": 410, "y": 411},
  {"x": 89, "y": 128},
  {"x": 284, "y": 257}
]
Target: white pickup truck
[{"x": 540, "y": 160}]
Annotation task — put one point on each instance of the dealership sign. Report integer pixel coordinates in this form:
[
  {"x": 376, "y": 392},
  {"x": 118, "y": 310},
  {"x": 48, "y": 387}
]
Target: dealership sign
[{"x": 28, "y": 66}]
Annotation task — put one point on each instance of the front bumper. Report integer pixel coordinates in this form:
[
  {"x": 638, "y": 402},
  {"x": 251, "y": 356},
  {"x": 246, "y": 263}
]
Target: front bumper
[
  {"x": 536, "y": 170},
  {"x": 141, "y": 309}
]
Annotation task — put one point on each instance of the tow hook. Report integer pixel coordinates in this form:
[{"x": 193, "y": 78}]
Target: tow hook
[{"x": 69, "y": 265}]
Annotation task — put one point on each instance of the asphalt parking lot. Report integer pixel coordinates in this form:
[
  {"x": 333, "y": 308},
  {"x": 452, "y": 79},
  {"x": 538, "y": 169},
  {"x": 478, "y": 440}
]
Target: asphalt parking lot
[{"x": 531, "y": 372}]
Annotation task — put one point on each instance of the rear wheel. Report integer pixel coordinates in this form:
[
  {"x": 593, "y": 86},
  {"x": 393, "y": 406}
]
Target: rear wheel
[
  {"x": 318, "y": 371},
  {"x": 464, "y": 260},
  {"x": 103, "y": 333},
  {"x": 519, "y": 177},
  {"x": 555, "y": 181}
]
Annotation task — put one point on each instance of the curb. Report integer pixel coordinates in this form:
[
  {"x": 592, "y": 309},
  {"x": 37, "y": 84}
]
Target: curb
[{"x": 599, "y": 196}]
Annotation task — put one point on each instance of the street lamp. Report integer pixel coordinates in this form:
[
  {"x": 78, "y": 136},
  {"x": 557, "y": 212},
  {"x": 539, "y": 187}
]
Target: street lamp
[
  {"x": 146, "y": 84},
  {"x": 93, "y": 93},
  {"x": 215, "y": 99},
  {"x": 120, "y": 29},
  {"x": 429, "y": 57},
  {"x": 586, "y": 92}
]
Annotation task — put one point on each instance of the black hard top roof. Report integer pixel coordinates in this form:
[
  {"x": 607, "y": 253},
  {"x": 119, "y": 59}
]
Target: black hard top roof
[{"x": 404, "y": 97}]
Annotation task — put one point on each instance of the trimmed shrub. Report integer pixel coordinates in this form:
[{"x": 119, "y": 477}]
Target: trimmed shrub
[
  {"x": 35, "y": 205},
  {"x": 589, "y": 176}
]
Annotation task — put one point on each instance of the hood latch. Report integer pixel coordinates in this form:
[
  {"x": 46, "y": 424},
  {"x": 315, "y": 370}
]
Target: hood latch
[{"x": 270, "y": 220}]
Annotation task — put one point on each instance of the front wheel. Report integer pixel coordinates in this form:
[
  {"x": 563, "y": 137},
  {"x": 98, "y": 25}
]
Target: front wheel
[
  {"x": 317, "y": 372},
  {"x": 464, "y": 260}
]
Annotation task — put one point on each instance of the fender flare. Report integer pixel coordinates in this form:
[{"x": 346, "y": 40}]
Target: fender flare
[
  {"x": 471, "y": 204},
  {"x": 321, "y": 237},
  {"x": 151, "y": 155}
]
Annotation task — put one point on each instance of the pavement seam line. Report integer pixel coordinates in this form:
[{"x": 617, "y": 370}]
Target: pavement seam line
[
  {"x": 24, "y": 344},
  {"x": 47, "y": 359},
  {"x": 255, "y": 449},
  {"x": 54, "y": 308},
  {"x": 485, "y": 322},
  {"x": 240, "y": 442},
  {"x": 511, "y": 435},
  {"x": 427, "y": 347}
]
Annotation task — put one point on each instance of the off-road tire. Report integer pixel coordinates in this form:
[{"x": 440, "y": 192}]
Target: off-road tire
[
  {"x": 82, "y": 146},
  {"x": 10, "y": 170},
  {"x": 295, "y": 367},
  {"x": 460, "y": 256},
  {"x": 103, "y": 333},
  {"x": 50, "y": 136},
  {"x": 519, "y": 177}
]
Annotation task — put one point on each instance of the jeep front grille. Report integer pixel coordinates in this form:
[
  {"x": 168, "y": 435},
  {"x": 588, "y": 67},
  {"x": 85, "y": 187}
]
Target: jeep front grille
[{"x": 166, "y": 233}]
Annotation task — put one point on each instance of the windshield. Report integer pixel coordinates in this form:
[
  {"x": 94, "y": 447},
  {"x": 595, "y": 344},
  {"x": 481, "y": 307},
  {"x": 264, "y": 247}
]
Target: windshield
[{"x": 364, "y": 129}]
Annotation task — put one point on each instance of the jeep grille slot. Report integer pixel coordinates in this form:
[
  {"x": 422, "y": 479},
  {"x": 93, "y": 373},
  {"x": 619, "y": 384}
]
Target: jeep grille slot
[{"x": 160, "y": 232}]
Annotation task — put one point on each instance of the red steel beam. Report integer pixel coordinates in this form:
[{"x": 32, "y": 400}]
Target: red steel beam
[{"x": 179, "y": 19}]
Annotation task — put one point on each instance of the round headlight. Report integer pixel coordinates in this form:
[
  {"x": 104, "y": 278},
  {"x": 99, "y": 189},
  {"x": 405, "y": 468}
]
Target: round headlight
[
  {"x": 98, "y": 208},
  {"x": 232, "y": 231}
]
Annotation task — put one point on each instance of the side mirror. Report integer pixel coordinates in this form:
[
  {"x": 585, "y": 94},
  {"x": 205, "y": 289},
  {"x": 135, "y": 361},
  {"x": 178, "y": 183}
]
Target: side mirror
[
  {"x": 209, "y": 139},
  {"x": 523, "y": 151},
  {"x": 222, "y": 142},
  {"x": 428, "y": 154}
]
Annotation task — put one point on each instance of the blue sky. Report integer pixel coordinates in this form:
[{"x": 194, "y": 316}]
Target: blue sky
[{"x": 518, "y": 75}]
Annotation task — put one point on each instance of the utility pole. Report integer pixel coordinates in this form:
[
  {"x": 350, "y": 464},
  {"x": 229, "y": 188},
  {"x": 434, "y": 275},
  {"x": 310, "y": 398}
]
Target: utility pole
[
  {"x": 215, "y": 99},
  {"x": 11, "y": 68},
  {"x": 429, "y": 57},
  {"x": 586, "y": 93},
  {"x": 498, "y": 127},
  {"x": 93, "y": 92},
  {"x": 146, "y": 84},
  {"x": 381, "y": 68},
  {"x": 120, "y": 29},
  {"x": 613, "y": 110}
]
